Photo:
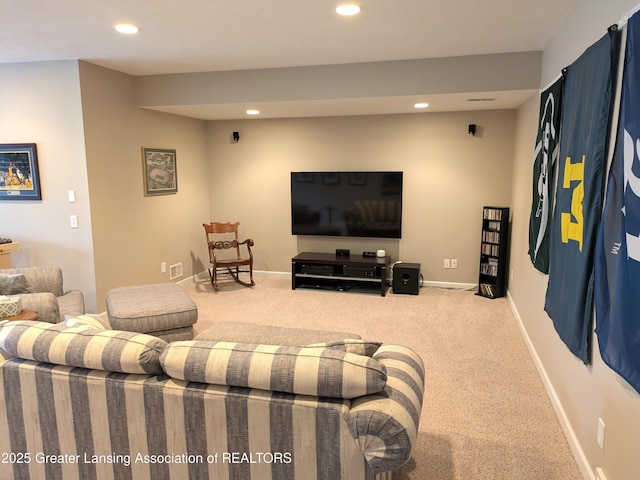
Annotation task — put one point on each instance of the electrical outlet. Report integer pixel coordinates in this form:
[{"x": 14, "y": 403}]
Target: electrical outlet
[
  {"x": 73, "y": 221},
  {"x": 447, "y": 263},
  {"x": 601, "y": 428},
  {"x": 163, "y": 267},
  {"x": 454, "y": 263}
]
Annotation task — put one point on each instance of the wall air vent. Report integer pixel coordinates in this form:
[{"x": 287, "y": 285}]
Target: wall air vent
[
  {"x": 480, "y": 99},
  {"x": 175, "y": 271}
]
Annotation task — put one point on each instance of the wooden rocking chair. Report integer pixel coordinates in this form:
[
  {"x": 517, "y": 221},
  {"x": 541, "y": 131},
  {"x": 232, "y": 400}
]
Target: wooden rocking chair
[{"x": 224, "y": 253}]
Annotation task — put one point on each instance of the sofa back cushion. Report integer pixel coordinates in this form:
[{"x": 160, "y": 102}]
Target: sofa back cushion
[
  {"x": 299, "y": 370},
  {"x": 82, "y": 346}
]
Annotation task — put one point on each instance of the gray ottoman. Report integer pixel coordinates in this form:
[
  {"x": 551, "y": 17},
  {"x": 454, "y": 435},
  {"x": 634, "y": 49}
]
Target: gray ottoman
[{"x": 163, "y": 310}]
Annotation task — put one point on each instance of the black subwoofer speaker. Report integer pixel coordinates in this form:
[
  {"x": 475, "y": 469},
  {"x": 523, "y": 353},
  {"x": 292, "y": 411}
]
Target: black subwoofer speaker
[{"x": 406, "y": 278}]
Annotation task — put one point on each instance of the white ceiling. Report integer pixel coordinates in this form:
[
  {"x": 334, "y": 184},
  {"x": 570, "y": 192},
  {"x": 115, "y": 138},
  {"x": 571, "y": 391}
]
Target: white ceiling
[{"x": 213, "y": 35}]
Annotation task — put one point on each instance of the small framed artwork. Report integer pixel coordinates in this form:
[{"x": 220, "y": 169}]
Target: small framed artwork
[
  {"x": 19, "y": 174},
  {"x": 159, "y": 170}
]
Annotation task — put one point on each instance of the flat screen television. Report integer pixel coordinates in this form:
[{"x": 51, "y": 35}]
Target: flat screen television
[{"x": 353, "y": 204}]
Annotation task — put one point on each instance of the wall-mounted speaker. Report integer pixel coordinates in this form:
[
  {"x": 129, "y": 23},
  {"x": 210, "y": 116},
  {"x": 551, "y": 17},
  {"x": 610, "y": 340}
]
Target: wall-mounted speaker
[{"x": 406, "y": 278}]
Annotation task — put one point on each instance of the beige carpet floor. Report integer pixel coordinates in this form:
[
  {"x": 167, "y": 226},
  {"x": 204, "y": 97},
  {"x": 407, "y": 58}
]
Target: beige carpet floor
[{"x": 485, "y": 415}]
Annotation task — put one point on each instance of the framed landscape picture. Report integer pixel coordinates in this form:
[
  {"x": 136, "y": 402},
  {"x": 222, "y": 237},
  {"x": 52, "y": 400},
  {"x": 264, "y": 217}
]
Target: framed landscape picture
[
  {"x": 19, "y": 175},
  {"x": 159, "y": 169}
]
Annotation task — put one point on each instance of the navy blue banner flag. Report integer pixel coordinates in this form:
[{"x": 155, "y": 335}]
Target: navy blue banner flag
[
  {"x": 617, "y": 291},
  {"x": 586, "y": 108},
  {"x": 545, "y": 157}
]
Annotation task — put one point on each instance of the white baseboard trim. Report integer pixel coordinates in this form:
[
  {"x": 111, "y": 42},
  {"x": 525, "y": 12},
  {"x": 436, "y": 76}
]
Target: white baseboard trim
[
  {"x": 265, "y": 274},
  {"x": 451, "y": 285},
  {"x": 572, "y": 439},
  {"x": 256, "y": 273},
  {"x": 287, "y": 275}
]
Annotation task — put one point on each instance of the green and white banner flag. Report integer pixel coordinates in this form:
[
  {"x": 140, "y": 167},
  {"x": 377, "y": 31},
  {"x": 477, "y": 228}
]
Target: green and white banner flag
[{"x": 545, "y": 156}]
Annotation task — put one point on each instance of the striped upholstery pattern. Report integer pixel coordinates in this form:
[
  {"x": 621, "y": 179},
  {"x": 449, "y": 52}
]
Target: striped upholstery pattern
[
  {"x": 82, "y": 346},
  {"x": 386, "y": 424},
  {"x": 351, "y": 345},
  {"x": 84, "y": 320},
  {"x": 113, "y": 425},
  {"x": 305, "y": 371},
  {"x": 81, "y": 424},
  {"x": 4, "y": 356}
]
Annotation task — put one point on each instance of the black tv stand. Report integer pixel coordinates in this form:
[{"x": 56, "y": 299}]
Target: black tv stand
[{"x": 340, "y": 273}]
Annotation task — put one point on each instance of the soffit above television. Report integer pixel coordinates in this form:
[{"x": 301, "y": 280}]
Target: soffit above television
[{"x": 351, "y": 204}]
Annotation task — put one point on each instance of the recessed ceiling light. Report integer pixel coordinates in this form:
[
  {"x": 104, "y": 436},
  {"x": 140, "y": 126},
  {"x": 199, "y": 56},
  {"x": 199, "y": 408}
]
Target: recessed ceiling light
[
  {"x": 253, "y": 112},
  {"x": 126, "y": 28},
  {"x": 421, "y": 105},
  {"x": 348, "y": 9}
]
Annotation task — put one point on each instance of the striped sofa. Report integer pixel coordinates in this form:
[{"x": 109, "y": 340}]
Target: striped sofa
[{"x": 81, "y": 402}]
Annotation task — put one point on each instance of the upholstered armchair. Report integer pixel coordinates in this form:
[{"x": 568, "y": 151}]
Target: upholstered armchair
[{"x": 40, "y": 289}]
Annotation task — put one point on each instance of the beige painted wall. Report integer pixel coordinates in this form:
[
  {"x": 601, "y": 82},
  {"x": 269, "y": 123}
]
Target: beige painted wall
[
  {"x": 40, "y": 103},
  {"x": 581, "y": 394},
  {"x": 134, "y": 233},
  {"x": 448, "y": 176}
]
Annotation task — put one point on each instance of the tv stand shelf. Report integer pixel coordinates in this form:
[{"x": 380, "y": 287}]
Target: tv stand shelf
[{"x": 340, "y": 273}]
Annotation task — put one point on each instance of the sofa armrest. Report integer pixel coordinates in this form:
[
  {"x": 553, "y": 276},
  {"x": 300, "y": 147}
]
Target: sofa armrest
[
  {"x": 45, "y": 303},
  {"x": 385, "y": 425}
]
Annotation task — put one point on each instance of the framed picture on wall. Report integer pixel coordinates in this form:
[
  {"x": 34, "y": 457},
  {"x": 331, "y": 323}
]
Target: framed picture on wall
[
  {"x": 19, "y": 174},
  {"x": 159, "y": 170}
]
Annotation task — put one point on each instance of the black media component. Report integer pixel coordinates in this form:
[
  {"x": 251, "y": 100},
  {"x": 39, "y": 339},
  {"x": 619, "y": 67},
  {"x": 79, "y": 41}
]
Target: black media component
[
  {"x": 362, "y": 272},
  {"x": 314, "y": 269},
  {"x": 332, "y": 272},
  {"x": 406, "y": 278},
  {"x": 341, "y": 252}
]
